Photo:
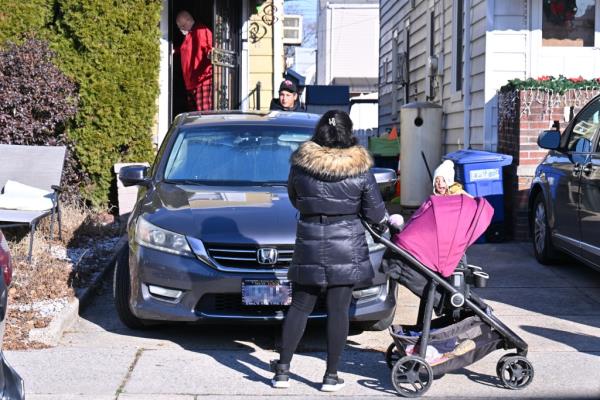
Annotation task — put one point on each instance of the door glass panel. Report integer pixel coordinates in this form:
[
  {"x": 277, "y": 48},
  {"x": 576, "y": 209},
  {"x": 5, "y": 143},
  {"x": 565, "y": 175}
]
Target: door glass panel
[
  {"x": 586, "y": 125},
  {"x": 568, "y": 23}
]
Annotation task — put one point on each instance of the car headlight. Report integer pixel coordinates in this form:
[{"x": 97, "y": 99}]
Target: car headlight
[{"x": 152, "y": 236}]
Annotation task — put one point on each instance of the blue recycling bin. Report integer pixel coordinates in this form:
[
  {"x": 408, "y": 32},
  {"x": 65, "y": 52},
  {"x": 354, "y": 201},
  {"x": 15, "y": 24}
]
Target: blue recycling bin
[{"x": 481, "y": 174}]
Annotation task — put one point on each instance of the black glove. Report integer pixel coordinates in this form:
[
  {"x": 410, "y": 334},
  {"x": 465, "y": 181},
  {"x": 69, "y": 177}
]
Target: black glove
[{"x": 380, "y": 228}]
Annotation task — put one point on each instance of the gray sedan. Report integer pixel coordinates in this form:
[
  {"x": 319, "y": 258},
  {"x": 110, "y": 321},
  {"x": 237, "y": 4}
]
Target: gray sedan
[{"x": 212, "y": 233}]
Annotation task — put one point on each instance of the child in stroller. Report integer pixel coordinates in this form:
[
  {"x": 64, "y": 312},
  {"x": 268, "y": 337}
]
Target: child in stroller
[{"x": 428, "y": 257}]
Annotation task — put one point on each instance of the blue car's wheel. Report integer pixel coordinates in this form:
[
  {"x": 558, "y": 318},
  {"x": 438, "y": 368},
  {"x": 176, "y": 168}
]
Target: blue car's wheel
[{"x": 544, "y": 251}]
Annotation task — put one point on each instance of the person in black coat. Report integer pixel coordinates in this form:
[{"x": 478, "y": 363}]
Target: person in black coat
[
  {"x": 331, "y": 185},
  {"x": 288, "y": 98}
]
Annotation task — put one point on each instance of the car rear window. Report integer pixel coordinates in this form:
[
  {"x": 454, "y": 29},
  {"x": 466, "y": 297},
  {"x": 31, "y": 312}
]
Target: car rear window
[{"x": 241, "y": 154}]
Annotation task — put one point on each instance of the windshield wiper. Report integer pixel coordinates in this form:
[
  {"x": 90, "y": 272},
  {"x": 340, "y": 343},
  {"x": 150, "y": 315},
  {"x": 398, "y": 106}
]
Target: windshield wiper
[
  {"x": 274, "y": 183},
  {"x": 185, "y": 182}
]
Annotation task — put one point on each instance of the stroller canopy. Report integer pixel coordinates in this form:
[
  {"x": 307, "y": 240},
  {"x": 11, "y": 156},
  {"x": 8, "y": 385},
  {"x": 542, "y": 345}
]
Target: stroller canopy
[{"x": 440, "y": 231}]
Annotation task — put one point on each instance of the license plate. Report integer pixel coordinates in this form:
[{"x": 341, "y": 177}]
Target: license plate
[{"x": 261, "y": 292}]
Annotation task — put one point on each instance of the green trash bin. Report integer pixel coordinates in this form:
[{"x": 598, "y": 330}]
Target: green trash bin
[{"x": 385, "y": 151}]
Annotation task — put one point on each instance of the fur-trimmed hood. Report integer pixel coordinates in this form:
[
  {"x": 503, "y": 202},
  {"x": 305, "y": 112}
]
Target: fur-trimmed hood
[{"x": 332, "y": 163}]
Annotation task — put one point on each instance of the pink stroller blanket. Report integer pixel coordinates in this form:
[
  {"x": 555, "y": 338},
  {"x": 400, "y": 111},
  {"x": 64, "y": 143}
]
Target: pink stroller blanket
[{"x": 442, "y": 229}]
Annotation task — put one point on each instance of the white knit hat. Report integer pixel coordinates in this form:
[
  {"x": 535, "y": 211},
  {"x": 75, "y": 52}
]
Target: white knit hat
[{"x": 446, "y": 171}]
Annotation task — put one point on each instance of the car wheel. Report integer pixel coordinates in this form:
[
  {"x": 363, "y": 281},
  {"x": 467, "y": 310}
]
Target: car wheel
[
  {"x": 380, "y": 325},
  {"x": 122, "y": 291},
  {"x": 543, "y": 248}
]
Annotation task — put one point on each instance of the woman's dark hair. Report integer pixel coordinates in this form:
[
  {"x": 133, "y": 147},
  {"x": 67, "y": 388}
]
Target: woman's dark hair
[{"x": 334, "y": 130}]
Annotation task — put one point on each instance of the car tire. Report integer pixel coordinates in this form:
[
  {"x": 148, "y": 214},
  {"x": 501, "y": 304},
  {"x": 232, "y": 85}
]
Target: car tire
[
  {"x": 543, "y": 248},
  {"x": 380, "y": 325},
  {"x": 122, "y": 291}
]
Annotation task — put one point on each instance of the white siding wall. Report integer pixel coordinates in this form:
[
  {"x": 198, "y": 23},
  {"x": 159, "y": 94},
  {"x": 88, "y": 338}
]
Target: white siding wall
[
  {"x": 508, "y": 41},
  {"x": 347, "y": 41},
  {"x": 393, "y": 15},
  {"x": 505, "y": 44}
]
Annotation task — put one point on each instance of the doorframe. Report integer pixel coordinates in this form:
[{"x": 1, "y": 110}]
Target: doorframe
[
  {"x": 165, "y": 76},
  {"x": 165, "y": 81}
]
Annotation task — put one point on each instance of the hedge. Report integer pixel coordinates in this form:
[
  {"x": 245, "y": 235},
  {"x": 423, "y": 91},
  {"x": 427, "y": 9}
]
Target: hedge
[{"x": 111, "y": 50}]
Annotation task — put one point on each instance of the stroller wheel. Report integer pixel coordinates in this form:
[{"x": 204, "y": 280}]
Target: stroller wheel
[
  {"x": 411, "y": 376},
  {"x": 515, "y": 372},
  {"x": 393, "y": 354}
]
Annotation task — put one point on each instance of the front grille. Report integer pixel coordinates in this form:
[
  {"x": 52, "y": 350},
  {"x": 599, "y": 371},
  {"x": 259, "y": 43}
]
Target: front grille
[
  {"x": 231, "y": 304},
  {"x": 244, "y": 256}
]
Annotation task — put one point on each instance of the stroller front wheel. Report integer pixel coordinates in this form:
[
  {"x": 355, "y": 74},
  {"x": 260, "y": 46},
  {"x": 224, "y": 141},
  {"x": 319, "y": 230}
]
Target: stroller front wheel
[
  {"x": 412, "y": 376},
  {"x": 515, "y": 372}
]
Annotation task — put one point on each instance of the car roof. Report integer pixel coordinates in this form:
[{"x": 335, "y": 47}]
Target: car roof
[{"x": 202, "y": 118}]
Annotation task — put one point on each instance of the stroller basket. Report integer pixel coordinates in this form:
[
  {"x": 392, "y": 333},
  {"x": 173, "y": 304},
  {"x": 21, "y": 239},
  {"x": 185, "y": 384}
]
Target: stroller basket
[{"x": 450, "y": 346}]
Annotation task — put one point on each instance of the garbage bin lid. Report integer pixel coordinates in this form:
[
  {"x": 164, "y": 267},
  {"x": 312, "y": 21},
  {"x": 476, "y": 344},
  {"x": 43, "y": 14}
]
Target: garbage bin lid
[{"x": 477, "y": 156}]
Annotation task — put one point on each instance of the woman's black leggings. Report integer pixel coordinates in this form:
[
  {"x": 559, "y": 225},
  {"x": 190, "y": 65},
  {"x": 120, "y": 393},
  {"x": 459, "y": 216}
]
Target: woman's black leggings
[{"x": 303, "y": 302}]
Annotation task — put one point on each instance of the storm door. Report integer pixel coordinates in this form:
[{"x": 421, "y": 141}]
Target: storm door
[{"x": 225, "y": 54}]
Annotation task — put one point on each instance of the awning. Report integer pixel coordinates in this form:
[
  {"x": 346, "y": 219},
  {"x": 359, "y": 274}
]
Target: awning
[{"x": 357, "y": 84}]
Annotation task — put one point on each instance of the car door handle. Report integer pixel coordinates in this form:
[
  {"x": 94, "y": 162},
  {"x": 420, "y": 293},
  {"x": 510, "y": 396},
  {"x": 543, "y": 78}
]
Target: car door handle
[{"x": 587, "y": 169}]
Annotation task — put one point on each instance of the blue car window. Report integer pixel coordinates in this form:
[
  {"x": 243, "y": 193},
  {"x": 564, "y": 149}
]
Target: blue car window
[{"x": 241, "y": 154}]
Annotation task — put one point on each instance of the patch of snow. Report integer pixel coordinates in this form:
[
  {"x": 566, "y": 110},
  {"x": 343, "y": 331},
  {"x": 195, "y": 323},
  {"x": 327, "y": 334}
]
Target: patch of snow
[
  {"x": 46, "y": 308},
  {"x": 74, "y": 254}
]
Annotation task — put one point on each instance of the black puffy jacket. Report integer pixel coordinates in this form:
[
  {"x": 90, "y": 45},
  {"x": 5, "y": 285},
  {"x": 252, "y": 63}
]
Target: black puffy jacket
[
  {"x": 276, "y": 106},
  {"x": 333, "y": 182}
]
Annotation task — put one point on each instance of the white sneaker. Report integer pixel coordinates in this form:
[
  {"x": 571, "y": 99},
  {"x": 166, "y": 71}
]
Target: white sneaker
[
  {"x": 281, "y": 380},
  {"x": 331, "y": 383}
]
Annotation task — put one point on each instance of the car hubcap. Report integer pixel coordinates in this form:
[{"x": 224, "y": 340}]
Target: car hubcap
[{"x": 539, "y": 230}]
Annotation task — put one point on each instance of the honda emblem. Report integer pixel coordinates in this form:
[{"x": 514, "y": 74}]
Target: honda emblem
[{"x": 267, "y": 256}]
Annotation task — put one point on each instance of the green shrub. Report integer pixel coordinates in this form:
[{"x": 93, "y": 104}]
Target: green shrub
[{"x": 111, "y": 49}]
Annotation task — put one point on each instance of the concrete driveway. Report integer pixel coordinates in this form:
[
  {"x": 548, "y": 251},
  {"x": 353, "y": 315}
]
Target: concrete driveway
[{"x": 555, "y": 309}]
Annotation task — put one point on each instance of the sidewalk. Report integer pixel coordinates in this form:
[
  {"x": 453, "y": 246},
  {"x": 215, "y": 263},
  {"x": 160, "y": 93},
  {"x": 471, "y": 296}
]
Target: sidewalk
[{"x": 555, "y": 309}]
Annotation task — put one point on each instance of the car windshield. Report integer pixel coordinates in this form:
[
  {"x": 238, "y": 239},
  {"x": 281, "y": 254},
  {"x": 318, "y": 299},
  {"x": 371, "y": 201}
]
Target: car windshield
[{"x": 234, "y": 154}]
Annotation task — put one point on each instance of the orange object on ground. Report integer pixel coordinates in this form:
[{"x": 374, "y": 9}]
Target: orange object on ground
[{"x": 393, "y": 134}]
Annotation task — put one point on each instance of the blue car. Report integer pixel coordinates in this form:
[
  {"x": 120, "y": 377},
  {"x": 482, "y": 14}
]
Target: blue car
[
  {"x": 564, "y": 200},
  {"x": 212, "y": 233}
]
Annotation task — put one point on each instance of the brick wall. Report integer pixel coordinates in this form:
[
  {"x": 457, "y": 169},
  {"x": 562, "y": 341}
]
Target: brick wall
[{"x": 522, "y": 117}]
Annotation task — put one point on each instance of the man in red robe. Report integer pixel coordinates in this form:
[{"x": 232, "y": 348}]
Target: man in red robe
[{"x": 196, "y": 67}]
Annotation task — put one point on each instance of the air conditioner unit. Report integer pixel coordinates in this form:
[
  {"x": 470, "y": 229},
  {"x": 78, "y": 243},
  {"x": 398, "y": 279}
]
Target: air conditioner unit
[{"x": 292, "y": 29}]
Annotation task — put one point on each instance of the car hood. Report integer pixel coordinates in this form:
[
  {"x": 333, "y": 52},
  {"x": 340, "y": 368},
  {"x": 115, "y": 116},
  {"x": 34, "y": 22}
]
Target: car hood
[{"x": 241, "y": 215}]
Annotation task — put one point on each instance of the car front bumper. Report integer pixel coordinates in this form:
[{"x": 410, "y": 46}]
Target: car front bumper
[{"x": 206, "y": 294}]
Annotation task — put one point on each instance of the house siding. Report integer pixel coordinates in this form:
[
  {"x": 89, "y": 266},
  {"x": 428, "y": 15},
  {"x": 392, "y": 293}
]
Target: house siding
[
  {"x": 394, "y": 14},
  {"x": 507, "y": 56},
  {"x": 346, "y": 47}
]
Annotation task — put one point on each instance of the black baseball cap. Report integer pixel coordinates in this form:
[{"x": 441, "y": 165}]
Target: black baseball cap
[{"x": 288, "y": 86}]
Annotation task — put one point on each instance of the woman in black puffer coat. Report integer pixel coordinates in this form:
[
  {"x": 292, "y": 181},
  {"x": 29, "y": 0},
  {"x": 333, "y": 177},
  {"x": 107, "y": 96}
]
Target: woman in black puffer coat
[{"x": 331, "y": 185}]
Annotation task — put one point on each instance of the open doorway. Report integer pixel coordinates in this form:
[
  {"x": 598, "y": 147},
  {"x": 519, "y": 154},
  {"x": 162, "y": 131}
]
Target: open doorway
[
  {"x": 223, "y": 18},
  {"x": 202, "y": 11}
]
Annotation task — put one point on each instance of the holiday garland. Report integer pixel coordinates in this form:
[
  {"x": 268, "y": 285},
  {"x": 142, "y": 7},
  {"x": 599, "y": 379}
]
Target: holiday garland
[{"x": 556, "y": 85}]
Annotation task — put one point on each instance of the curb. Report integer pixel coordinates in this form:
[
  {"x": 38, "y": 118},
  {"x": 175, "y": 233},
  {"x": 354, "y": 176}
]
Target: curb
[{"x": 67, "y": 317}]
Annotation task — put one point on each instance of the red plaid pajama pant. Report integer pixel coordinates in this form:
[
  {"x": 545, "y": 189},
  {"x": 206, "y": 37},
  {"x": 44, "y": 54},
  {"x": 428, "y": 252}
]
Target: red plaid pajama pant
[{"x": 200, "y": 99}]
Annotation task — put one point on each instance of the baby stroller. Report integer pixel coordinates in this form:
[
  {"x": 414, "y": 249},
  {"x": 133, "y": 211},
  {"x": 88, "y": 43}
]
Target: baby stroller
[{"x": 428, "y": 257}]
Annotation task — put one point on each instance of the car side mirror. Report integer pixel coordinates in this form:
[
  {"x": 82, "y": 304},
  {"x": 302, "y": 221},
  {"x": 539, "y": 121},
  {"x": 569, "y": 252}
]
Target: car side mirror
[
  {"x": 549, "y": 140},
  {"x": 134, "y": 175},
  {"x": 386, "y": 179}
]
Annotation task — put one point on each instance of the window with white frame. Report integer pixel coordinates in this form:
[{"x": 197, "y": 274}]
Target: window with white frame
[
  {"x": 292, "y": 29},
  {"x": 568, "y": 23}
]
